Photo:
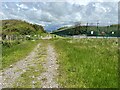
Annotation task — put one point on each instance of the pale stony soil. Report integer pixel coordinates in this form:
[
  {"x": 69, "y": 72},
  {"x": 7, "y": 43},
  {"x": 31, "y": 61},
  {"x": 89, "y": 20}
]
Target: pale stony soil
[
  {"x": 11, "y": 74},
  {"x": 47, "y": 78}
]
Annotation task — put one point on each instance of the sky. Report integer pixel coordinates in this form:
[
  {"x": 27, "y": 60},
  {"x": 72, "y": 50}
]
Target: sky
[{"x": 53, "y": 14}]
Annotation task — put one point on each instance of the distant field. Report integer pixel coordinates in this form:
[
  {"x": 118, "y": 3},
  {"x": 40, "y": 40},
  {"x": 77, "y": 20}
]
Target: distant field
[{"x": 87, "y": 63}]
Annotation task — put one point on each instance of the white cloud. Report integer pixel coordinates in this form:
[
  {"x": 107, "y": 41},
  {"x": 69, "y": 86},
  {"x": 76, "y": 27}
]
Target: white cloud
[
  {"x": 17, "y": 4},
  {"x": 61, "y": 13},
  {"x": 22, "y": 6},
  {"x": 18, "y": 9},
  {"x": 34, "y": 9},
  {"x": 78, "y": 17},
  {"x": 80, "y": 2},
  {"x": 2, "y": 15},
  {"x": 100, "y": 8},
  {"x": 6, "y": 6}
]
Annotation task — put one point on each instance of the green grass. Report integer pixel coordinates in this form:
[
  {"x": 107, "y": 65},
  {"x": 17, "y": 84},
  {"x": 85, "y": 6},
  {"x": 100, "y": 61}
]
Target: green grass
[
  {"x": 83, "y": 63},
  {"x": 19, "y": 27},
  {"x": 0, "y": 55},
  {"x": 17, "y": 52},
  {"x": 87, "y": 63}
]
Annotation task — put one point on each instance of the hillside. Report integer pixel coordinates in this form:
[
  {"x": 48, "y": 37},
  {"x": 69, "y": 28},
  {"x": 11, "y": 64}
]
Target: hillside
[
  {"x": 111, "y": 30},
  {"x": 18, "y": 27}
]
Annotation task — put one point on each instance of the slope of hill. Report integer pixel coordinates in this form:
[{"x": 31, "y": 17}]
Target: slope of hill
[
  {"x": 18, "y": 27},
  {"x": 111, "y": 30}
]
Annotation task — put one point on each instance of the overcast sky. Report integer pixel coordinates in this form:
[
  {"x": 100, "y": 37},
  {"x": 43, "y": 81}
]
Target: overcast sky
[{"x": 53, "y": 14}]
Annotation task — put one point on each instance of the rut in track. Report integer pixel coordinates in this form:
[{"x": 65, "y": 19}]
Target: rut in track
[{"x": 51, "y": 66}]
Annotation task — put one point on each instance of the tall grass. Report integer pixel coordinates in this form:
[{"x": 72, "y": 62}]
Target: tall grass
[
  {"x": 87, "y": 63},
  {"x": 16, "y": 52}
]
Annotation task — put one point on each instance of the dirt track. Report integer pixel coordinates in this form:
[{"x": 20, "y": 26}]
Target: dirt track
[{"x": 47, "y": 78}]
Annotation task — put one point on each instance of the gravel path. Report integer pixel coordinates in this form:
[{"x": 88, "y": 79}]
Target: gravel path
[
  {"x": 11, "y": 74},
  {"x": 48, "y": 77}
]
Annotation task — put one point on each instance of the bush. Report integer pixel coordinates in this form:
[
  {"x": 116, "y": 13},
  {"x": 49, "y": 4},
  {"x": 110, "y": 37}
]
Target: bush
[
  {"x": 6, "y": 44},
  {"x": 10, "y": 44},
  {"x": 29, "y": 38}
]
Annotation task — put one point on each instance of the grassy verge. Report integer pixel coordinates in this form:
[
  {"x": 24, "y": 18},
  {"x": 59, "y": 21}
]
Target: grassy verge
[
  {"x": 0, "y": 55},
  {"x": 87, "y": 63},
  {"x": 16, "y": 52}
]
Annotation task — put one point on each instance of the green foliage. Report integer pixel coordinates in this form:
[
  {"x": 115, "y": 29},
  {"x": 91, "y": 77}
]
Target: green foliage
[
  {"x": 10, "y": 44},
  {"x": 13, "y": 52},
  {"x": 87, "y": 63},
  {"x": 18, "y": 27},
  {"x": 98, "y": 31}
]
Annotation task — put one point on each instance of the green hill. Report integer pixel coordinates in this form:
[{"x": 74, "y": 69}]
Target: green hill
[
  {"x": 111, "y": 30},
  {"x": 18, "y": 27}
]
